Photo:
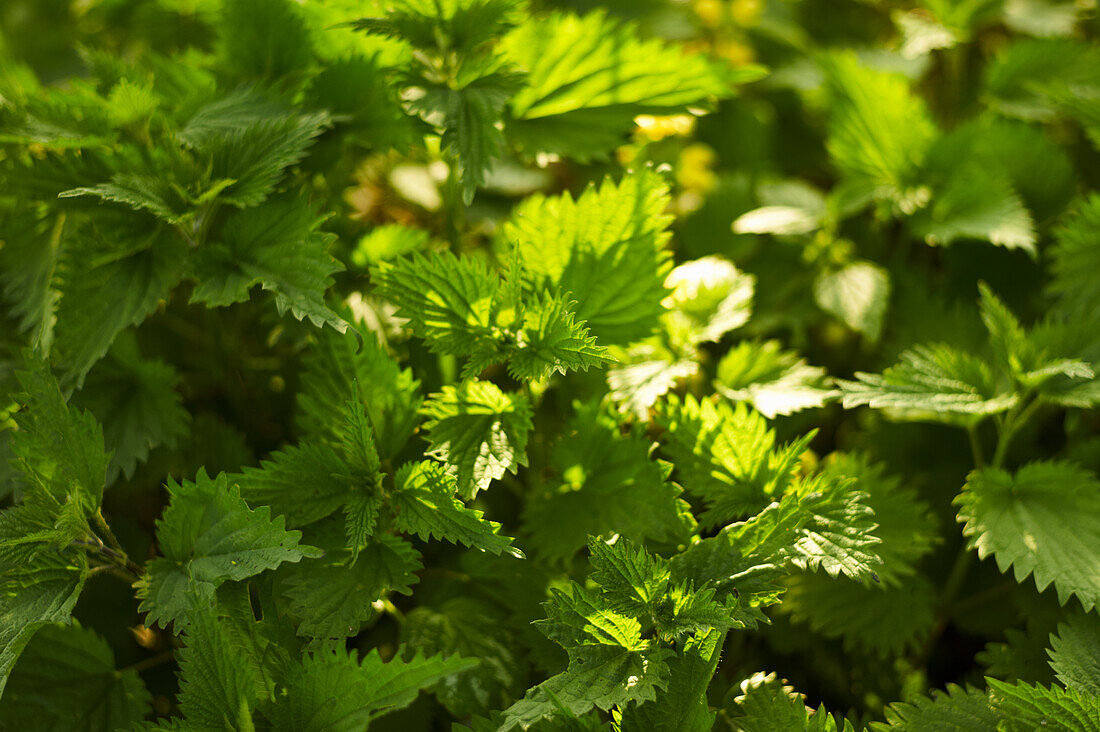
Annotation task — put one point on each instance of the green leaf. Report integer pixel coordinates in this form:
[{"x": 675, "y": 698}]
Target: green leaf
[
  {"x": 1073, "y": 258},
  {"x": 425, "y": 504},
  {"x": 682, "y": 705},
  {"x": 131, "y": 103},
  {"x": 243, "y": 107},
  {"x": 1075, "y": 654},
  {"x": 709, "y": 297},
  {"x": 1044, "y": 521},
  {"x": 304, "y": 483},
  {"x": 255, "y": 156},
  {"x": 337, "y": 369},
  {"x": 907, "y": 528},
  {"x": 896, "y": 611},
  {"x": 360, "y": 516},
  {"x": 119, "y": 268},
  {"x": 1018, "y": 79},
  {"x": 976, "y": 202},
  {"x": 773, "y": 381},
  {"x": 337, "y": 693},
  {"x": 264, "y": 39},
  {"x": 645, "y": 373},
  {"x": 637, "y": 583},
  {"x": 279, "y": 247},
  {"x": 41, "y": 525},
  {"x": 136, "y": 401},
  {"x": 395, "y": 685},
  {"x": 1041, "y": 18},
  {"x": 216, "y": 684},
  {"x": 932, "y": 381},
  {"x": 1027, "y": 356},
  {"x": 766, "y": 704},
  {"x": 465, "y": 24},
  {"x": 333, "y": 595},
  {"x": 609, "y": 662},
  {"x": 587, "y": 77},
  {"x": 879, "y": 130},
  {"x": 471, "y": 628},
  {"x": 322, "y": 692},
  {"x": 1027, "y": 707},
  {"x": 448, "y": 300},
  {"x": 727, "y": 455},
  {"x": 357, "y": 443},
  {"x": 1039, "y": 170},
  {"x": 582, "y": 617},
  {"x": 607, "y": 250},
  {"x": 738, "y": 565},
  {"x": 141, "y": 192},
  {"x": 66, "y": 679},
  {"x": 28, "y": 261},
  {"x": 34, "y": 593},
  {"x": 553, "y": 341},
  {"x": 781, "y": 220},
  {"x": 602, "y": 483},
  {"x": 209, "y": 535},
  {"x": 470, "y": 114},
  {"x": 819, "y": 523},
  {"x": 956, "y": 710},
  {"x": 857, "y": 294},
  {"x": 73, "y": 117},
  {"x": 631, "y": 579},
  {"x": 1083, "y": 104},
  {"x": 374, "y": 117},
  {"x": 838, "y": 533},
  {"x": 1022, "y": 655},
  {"x": 57, "y": 447},
  {"x": 389, "y": 241},
  {"x": 922, "y": 34},
  {"x": 479, "y": 431},
  {"x": 462, "y": 308}
]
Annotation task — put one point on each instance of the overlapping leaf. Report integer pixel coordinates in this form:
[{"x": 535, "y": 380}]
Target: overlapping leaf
[
  {"x": 209, "y": 535},
  {"x": 279, "y": 248},
  {"x": 606, "y": 249},
  {"x": 1042, "y": 521},
  {"x": 479, "y": 431},
  {"x": 66, "y": 678},
  {"x": 425, "y": 504},
  {"x": 587, "y": 77}
]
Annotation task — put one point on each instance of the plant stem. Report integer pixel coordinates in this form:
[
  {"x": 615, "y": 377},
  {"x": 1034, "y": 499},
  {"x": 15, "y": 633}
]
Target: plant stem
[
  {"x": 115, "y": 554},
  {"x": 112, "y": 570},
  {"x": 955, "y": 578},
  {"x": 975, "y": 446},
  {"x": 111, "y": 538},
  {"x": 392, "y": 610},
  {"x": 150, "y": 662},
  {"x": 1016, "y": 418}
]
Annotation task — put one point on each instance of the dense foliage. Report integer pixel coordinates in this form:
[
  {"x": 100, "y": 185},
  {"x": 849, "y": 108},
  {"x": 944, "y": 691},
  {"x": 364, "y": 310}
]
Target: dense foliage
[{"x": 655, "y": 366}]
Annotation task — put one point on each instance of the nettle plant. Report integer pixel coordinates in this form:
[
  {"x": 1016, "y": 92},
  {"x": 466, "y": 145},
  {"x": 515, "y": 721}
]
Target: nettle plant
[{"x": 532, "y": 439}]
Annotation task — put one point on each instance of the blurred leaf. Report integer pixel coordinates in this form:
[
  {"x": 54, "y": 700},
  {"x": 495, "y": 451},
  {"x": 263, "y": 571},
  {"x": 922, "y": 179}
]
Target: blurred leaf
[{"x": 858, "y": 294}]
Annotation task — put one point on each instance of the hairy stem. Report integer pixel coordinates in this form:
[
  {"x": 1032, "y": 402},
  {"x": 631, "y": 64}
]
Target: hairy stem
[
  {"x": 112, "y": 556},
  {"x": 101, "y": 523}
]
